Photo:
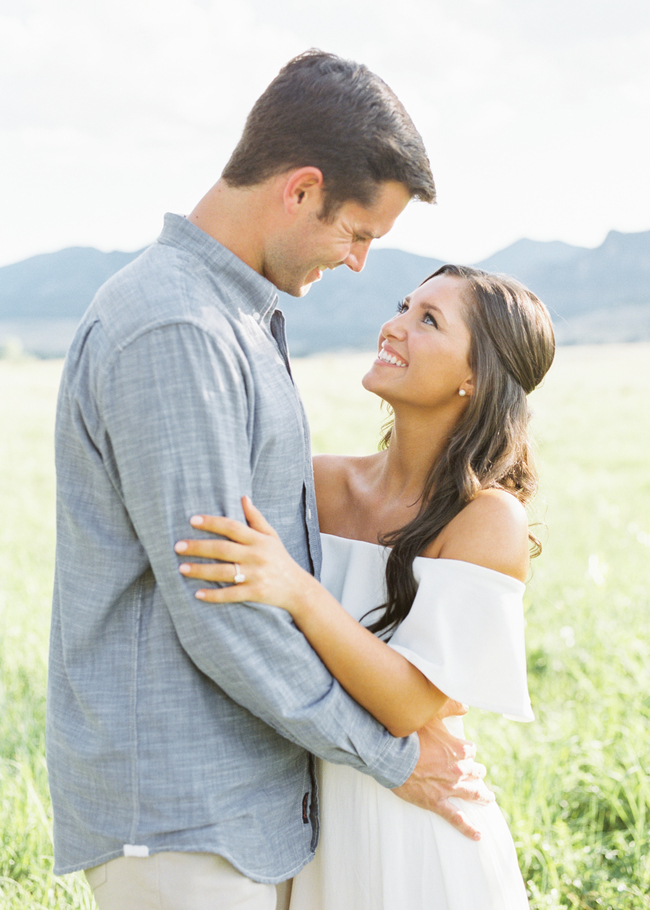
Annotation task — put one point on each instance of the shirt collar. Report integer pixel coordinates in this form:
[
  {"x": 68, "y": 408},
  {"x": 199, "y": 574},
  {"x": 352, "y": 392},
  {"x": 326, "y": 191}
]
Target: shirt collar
[{"x": 259, "y": 296}]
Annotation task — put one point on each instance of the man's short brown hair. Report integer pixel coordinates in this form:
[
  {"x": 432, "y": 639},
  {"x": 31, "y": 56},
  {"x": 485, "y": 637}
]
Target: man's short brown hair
[{"x": 325, "y": 112}]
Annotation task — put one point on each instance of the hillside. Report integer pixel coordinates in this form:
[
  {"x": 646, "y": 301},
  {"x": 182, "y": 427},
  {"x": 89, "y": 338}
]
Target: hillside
[
  {"x": 594, "y": 295},
  {"x": 56, "y": 285}
]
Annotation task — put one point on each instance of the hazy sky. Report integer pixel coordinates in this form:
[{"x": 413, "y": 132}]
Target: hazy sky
[{"x": 535, "y": 113}]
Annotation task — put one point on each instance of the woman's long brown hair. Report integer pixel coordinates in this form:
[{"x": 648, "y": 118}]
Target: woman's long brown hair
[{"x": 512, "y": 347}]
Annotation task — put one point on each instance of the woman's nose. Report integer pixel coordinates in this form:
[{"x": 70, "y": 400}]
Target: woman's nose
[{"x": 394, "y": 328}]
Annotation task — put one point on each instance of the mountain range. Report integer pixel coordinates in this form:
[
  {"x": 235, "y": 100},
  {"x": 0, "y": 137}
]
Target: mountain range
[{"x": 594, "y": 295}]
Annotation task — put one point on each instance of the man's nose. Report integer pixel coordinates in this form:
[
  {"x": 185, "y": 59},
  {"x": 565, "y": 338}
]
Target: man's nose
[{"x": 356, "y": 258}]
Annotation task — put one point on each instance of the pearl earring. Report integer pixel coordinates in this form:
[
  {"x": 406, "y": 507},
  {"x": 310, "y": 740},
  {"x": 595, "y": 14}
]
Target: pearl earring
[{"x": 462, "y": 393}]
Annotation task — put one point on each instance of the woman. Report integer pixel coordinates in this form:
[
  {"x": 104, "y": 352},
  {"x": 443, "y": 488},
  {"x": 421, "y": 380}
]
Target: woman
[{"x": 427, "y": 544}]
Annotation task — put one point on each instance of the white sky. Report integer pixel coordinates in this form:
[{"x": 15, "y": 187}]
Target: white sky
[{"x": 535, "y": 113}]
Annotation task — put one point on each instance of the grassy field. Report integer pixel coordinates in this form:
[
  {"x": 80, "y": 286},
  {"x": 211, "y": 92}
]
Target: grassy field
[{"x": 575, "y": 785}]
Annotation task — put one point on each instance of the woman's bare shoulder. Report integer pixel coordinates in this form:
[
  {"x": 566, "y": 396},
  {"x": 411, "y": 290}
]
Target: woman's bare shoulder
[
  {"x": 328, "y": 467},
  {"x": 330, "y": 475},
  {"x": 491, "y": 531},
  {"x": 340, "y": 469},
  {"x": 337, "y": 480}
]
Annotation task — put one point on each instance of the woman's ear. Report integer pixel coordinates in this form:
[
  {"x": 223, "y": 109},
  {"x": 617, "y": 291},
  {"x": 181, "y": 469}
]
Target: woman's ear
[{"x": 466, "y": 389}]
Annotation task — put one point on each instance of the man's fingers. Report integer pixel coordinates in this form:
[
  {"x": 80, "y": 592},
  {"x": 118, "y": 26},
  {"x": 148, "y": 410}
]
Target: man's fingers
[
  {"x": 470, "y": 769},
  {"x": 475, "y": 791},
  {"x": 461, "y": 754},
  {"x": 476, "y": 771},
  {"x": 457, "y": 818},
  {"x": 465, "y": 750}
]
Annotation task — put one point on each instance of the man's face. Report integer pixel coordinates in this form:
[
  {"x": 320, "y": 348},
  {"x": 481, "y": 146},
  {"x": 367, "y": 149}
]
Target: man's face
[{"x": 301, "y": 254}]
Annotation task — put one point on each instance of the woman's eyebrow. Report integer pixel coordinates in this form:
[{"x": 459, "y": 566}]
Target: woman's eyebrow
[{"x": 426, "y": 305}]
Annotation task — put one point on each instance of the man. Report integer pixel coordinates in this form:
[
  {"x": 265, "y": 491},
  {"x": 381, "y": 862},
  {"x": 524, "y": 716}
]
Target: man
[{"x": 178, "y": 734}]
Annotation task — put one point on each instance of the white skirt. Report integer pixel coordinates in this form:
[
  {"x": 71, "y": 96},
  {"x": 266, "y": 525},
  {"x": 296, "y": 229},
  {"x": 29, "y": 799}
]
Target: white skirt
[{"x": 378, "y": 852}]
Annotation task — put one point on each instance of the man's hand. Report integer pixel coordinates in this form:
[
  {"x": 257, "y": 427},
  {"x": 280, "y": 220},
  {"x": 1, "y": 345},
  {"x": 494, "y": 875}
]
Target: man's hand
[{"x": 446, "y": 768}]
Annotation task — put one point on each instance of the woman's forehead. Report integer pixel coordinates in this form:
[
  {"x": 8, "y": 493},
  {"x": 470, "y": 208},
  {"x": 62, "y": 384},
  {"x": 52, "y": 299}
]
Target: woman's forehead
[{"x": 443, "y": 290}]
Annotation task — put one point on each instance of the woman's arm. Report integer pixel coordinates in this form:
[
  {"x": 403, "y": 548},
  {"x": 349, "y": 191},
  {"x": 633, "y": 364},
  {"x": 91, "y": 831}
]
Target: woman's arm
[{"x": 378, "y": 678}]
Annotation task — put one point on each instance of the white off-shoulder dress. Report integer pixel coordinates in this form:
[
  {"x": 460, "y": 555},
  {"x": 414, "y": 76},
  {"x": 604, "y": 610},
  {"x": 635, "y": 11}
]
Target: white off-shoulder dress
[{"x": 465, "y": 632}]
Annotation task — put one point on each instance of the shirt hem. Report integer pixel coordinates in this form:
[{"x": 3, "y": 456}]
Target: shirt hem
[{"x": 171, "y": 848}]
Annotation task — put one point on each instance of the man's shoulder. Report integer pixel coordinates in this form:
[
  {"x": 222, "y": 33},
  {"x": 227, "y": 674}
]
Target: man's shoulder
[
  {"x": 160, "y": 301},
  {"x": 164, "y": 279},
  {"x": 163, "y": 286}
]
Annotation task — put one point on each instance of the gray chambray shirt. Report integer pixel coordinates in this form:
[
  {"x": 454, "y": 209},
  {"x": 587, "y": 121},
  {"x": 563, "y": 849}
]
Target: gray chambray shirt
[{"x": 175, "y": 724}]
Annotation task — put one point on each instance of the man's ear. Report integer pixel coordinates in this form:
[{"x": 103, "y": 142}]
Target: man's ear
[{"x": 303, "y": 188}]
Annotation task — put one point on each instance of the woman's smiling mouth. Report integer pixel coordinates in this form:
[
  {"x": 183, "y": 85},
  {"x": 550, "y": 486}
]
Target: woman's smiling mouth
[{"x": 385, "y": 357}]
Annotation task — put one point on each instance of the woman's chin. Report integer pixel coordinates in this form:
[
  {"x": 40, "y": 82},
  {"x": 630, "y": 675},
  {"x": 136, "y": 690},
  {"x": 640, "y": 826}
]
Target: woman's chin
[
  {"x": 368, "y": 380},
  {"x": 372, "y": 383}
]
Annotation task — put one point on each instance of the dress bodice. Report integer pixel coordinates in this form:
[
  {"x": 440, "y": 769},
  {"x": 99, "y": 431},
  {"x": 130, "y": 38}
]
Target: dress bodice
[{"x": 465, "y": 630}]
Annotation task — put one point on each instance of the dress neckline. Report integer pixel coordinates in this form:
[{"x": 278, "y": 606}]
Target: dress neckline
[{"x": 430, "y": 561}]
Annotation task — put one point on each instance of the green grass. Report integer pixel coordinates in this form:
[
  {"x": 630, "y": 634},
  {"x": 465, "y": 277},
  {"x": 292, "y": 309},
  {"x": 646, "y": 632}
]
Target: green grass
[
  {"x": 27, "y": 399},
  {"x": 575, "y": 785}
]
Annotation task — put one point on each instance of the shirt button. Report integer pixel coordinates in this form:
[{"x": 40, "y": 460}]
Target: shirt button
[{"x": 309, "y": 513}]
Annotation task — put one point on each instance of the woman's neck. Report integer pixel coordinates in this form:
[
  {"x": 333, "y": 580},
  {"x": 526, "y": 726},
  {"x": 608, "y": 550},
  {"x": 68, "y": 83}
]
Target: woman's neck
[
  {"x": 367, "y": 498},
  {"x": 415, "y": 446},
  {"x": 396, "y": 478}
]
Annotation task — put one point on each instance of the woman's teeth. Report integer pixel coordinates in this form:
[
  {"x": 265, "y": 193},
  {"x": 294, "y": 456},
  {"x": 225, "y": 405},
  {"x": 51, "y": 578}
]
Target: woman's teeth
[{"x": 389, "y": 358}]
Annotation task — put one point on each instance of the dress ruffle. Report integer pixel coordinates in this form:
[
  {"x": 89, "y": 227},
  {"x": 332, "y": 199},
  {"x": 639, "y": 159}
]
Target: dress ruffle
[{"x": 465, "y": 630}]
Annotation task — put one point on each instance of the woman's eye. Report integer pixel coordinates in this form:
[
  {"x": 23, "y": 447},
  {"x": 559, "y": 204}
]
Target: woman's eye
[
  {"x": 429, "y": 318},
  {"x": 401, "y": 306}
]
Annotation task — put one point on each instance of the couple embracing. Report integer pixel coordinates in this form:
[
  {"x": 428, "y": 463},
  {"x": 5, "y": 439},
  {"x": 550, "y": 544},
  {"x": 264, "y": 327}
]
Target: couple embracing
[{"x": 202, "y": 737}]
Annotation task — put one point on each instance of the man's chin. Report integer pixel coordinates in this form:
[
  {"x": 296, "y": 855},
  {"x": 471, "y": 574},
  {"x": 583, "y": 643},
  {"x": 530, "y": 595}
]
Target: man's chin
[
  {"x": 299, "y": 291},
  {"x": 302, "y": 289},
  {"x": 311, "y": 279}
]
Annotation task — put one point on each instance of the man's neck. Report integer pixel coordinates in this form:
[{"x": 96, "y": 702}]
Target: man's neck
[{"x": 237, "y": 217}]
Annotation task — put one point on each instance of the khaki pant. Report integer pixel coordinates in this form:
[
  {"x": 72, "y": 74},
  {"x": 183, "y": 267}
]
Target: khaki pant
[{"x": 181, "y": 881}]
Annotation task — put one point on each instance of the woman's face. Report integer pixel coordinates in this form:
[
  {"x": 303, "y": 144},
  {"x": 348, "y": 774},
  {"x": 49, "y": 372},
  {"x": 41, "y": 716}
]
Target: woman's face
[{"x": 423, "y": 358}]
